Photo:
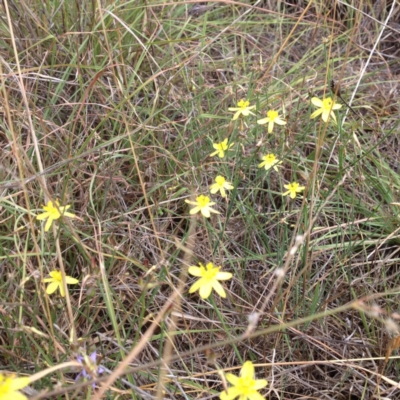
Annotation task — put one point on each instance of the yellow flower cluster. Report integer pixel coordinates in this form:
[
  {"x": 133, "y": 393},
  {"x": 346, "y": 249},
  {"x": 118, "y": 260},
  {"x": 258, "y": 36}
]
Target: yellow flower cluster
[
  {"x": 203, "y": 204},
  {"x": 326, "y": 108},
  {"x": 53, "y": 212},
  {"x": 210, "y": 275}
]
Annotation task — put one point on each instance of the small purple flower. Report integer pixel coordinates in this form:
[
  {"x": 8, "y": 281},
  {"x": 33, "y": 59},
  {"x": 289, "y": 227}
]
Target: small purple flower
[{"x": 90, "y": 368}]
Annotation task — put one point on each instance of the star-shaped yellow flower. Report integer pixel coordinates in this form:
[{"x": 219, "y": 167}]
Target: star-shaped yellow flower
[
  {"x": 292, "y": 189},
  {"x": 244, "y": 386},
  {"x": 52, "y": 213},
  {"x": 209, "y": 277},
  {"x": 326, "y": 107},
  {"x": 220, "y": 185},
  {"x": 203, "y": 204},
  {"x": 57, "y": 282},
  {"x": 270, "y": 161},
  {"x": 221, "y": 148},
  {"x": 9, "y": 386},
  {"x": 243, "y": 108},
  {"x": 272, "y": 118}
]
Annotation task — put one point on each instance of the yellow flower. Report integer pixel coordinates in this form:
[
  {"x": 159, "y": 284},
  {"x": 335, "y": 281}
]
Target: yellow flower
[
  {"x": 221, "y": 148},
  {"x": 220, "y": 185},
  {"x": 292, "y": 189},
  {"x": 209, "y": 277},
  {"x": 53, "y": 212},
  {"x": 243, "y": 108},
  {"x": 270, "y": 161},
  {"x": 56, "y": 282},
  {"x": 203, "y": 204},
  {"x": 272, "y": 118},
  {"x": 9, "y": 386},
  {"x": 244, "y": 386},
  {"x": 326, "y": 107}
]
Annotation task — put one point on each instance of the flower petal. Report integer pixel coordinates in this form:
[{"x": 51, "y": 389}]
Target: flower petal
[
  {"x": 205, "y": 290},
  {"x": 19, "y": 383},
  {"x": 247, "y": 371},
  {"x": 255, "y": 396},
  {"x": 263, "y": 121},
  {"x": 196, "y": 286},
  {"x": 262, "y": 164},
  {"x": 316, "y": 113},
  {"x": 260, "y": 384},
  {"x": 68, "y": 214},
  {"x": 48, "y": 224},
  {"x": 236, "y": 116},
  {"x": 52, "y": 287},
  {"x": 218, "y": 288},
  {"x": 214, "y": 188},
  {"x": 62, "y": 290},
  {"x": 42, "y": 216},
  {"x": 13, "y": 396},
  {"x": 206, "y": 212},
  {"x": 93, "y": 357},
  {"x": 71, "y": 281},
  {"x": 230, "y": 394},
  {"x": 223, "y": 276},
  {"x": 280, "y": 121},
  {"x": 325, "y": 115},
  {"x": 195, "y": 271},
  {"x": 194, "y": 210},
  {"x": 317, "y": 102},
  {"x": 232, "y": 379}
]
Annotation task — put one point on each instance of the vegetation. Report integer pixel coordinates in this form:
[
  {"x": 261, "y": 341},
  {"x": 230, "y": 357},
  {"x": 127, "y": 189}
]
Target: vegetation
[{"x": 199, "y": 197}]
